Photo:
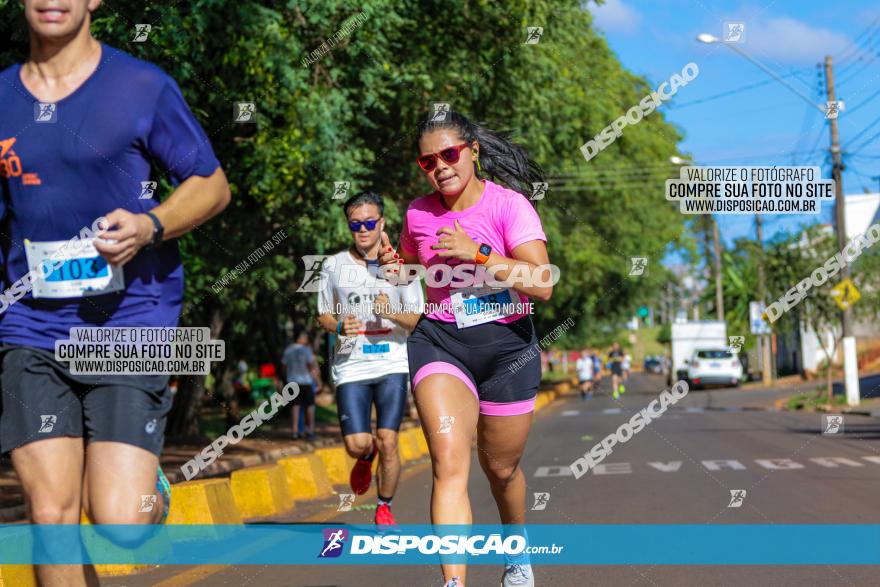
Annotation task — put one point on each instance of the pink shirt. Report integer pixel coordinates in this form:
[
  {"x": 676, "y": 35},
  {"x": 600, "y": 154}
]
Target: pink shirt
[{"x": 502, "y": 218}]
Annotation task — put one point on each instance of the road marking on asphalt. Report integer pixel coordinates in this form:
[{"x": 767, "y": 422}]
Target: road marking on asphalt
[
  {"x": 611, "y": 411},
  {"x": 775, "y": 464},
  {"x": 571, "y": 412},
  {"x": 670, "y": 467}
]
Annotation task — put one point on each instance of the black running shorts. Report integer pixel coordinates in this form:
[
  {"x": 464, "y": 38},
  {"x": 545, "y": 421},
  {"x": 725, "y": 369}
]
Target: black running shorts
[
  {"x": 499, "y": 363},
  {"x": 41, "y": 399}
]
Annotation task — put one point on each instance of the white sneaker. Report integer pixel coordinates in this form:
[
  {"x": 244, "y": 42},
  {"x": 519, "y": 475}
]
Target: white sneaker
[{"x": 518, "y": 576}]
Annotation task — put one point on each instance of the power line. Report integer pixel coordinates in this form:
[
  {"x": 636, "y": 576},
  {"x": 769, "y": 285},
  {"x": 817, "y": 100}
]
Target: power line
[
  {"x": 860, "y": 104},
  {"x": 674, "y": 106},
  {"x": 863, "y": 131},
  {"x": 855, "y": 44},
  {"x": 866, "y": 143}
]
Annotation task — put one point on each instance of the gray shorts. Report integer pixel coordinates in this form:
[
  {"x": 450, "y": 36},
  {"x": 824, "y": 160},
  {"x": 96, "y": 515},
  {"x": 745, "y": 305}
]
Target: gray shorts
[{"x": 40, "y": 398}]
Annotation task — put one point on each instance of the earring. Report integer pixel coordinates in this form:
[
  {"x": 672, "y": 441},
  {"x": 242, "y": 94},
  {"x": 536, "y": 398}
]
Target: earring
[{"x": 479, "y": 171}]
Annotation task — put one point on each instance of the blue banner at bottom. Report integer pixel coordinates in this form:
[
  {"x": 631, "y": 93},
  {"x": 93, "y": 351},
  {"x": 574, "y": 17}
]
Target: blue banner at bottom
[{"x": 300, "y": 544}]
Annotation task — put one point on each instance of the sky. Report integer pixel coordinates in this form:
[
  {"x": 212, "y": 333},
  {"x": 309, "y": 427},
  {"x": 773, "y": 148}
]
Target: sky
[{"x": 767, "y": 124}]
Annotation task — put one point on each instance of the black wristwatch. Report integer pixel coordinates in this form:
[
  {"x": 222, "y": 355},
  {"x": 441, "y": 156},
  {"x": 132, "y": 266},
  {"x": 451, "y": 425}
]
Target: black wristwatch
[{"x": 158, "y": 232}]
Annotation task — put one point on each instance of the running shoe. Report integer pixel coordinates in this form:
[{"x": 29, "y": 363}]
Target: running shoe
[
  {"x": 385, "y": 518},
  {"x": 362, "y": 473},
  {"x": 163, "y": 488},
  {"x": 453, "y": 582},
  {"x": 615, "y": 394},
  {"x": 622, "y": 388},
  {"x": 518, "y": 576}
]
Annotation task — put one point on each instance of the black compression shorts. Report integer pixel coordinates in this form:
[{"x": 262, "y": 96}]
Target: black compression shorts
[{"x": 500, "y": 363}]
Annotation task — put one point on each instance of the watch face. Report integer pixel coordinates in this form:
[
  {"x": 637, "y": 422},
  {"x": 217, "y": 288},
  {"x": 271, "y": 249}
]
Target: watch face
[{"x": 485, "y": 249}]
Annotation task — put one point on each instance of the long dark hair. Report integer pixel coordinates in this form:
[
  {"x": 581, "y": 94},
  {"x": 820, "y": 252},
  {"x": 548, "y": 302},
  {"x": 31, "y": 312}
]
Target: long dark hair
[{"x": 500, "y": 158}]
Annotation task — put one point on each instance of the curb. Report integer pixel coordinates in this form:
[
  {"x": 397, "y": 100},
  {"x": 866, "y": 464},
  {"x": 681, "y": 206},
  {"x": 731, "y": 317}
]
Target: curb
[
  {"x": 261, "y": 491},
  {"x": 306, "y": 477},
  {"x": 337, "y": 463},
  {"x": 780, "y": 405},
  {"x": 209, "y": 501},
  {"x": 265, "y": 485},
  {"x": 18, "y": 575}
]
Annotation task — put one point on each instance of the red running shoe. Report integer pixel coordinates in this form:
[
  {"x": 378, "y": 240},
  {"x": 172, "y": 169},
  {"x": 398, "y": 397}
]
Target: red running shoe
[
  {"x": 362, "y": 473},
  {"x": 384, "y": 517}
]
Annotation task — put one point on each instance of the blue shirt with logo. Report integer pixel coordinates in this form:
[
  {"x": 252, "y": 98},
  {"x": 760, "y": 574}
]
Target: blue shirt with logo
[{"x": 64, "y": 166}]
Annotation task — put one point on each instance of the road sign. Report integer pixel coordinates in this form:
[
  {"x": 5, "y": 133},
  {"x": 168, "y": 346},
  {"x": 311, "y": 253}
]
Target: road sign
[
  {"x": 845, "y": 294},
  {"x": 642, "y": 312},
  {"x": 756, "y": 318}
]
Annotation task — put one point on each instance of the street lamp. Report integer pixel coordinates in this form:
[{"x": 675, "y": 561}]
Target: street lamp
[
  {"x": 850, "y": 356},
  {"x": 711, "y": 39}
]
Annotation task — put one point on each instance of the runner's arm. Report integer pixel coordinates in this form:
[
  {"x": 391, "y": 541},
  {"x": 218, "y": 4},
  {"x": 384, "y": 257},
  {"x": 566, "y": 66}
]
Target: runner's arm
[
  {"x": 533, "y": 254},
  {"x": 328, "y": 322},
  {"x": 313, "y": 368},
  {"x": 406, "y": 320},
  {"x": 195, "y": 201}
]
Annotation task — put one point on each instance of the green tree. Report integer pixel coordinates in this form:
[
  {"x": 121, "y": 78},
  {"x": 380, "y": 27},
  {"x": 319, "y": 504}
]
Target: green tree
[{"x": 351, "y": 114}]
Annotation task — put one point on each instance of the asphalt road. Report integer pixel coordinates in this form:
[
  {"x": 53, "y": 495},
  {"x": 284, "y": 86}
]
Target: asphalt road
[{"x": 680, "y": 469}]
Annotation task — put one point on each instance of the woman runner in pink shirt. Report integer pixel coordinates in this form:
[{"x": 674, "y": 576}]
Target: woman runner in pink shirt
[{"x": 473, "y": 357}]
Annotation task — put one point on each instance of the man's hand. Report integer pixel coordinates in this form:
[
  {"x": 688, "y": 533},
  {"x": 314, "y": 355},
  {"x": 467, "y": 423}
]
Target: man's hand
[
  {"x": 382, "y": 306},
  {"x": 130, "y": 231},
  {"x": 455, "y": 243},
  {"x": 351, "y": 325}
]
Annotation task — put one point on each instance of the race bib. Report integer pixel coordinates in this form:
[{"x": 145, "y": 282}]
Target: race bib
[
  {"x": 67, "y": 269},
  {"x": 478, "y": 305},
  {"x": 371, "y": 351}
]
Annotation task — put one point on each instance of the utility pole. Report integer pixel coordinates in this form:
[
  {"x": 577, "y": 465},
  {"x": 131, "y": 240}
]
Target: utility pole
[
  {"x": 850, "y": 358},
  {"x": 719, "y": 293},
  {"x": 764, "y": 339}
]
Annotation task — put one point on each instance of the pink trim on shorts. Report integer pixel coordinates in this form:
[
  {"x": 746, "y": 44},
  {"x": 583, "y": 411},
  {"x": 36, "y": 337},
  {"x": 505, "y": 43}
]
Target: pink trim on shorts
[
  {"x": 447, "y": 369},
  {"x": 508, "y": 408}
]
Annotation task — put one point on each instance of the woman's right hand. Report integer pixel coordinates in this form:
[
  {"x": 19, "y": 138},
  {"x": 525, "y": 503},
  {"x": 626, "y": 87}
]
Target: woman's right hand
[
  {"x": 387, "y": 254},
  {"x": 351, "y": 325},
  {"x": 390, "y": 261}
]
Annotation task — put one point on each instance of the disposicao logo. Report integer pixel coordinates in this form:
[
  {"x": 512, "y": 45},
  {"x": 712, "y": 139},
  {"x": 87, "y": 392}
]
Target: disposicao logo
[{"x": 334, "y": 541}]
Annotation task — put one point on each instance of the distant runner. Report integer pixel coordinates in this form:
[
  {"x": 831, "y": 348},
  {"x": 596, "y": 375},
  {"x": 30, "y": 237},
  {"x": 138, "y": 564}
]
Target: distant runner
[
  {"x": 615, "y": 361},
  {"x": 584, "y": 368},
  {"x": 373, "y": 319}
]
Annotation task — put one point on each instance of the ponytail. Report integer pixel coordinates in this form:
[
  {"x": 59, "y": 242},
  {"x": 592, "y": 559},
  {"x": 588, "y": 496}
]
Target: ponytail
[{"x": 500, "y": 158}]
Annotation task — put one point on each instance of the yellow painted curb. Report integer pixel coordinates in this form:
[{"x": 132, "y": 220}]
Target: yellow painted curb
[
  {"x": 541, "y": 401},
  {"x": 306, "y": 477},
  {"x": 422, "y": 442},
  {"x": 408, "y": 446},
  {"x": 209, "y": 501},
  {"x": 261, "y": 491},
  {"x": 337, "y": 463},
  {"x": 18, "y": 576}
]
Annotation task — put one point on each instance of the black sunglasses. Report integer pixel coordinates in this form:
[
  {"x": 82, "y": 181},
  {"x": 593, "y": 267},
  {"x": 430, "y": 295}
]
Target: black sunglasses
[{"x": 355, "y": 225}]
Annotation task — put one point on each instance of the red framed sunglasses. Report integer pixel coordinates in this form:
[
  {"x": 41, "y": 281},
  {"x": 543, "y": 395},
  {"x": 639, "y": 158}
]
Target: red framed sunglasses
[{"x": 449, "y": 155}]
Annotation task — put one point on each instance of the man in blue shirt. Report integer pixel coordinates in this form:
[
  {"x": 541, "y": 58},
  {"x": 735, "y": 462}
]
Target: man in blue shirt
[
  {"x": 82, "y": 122},
  {"x": 301, "y": 368}
]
